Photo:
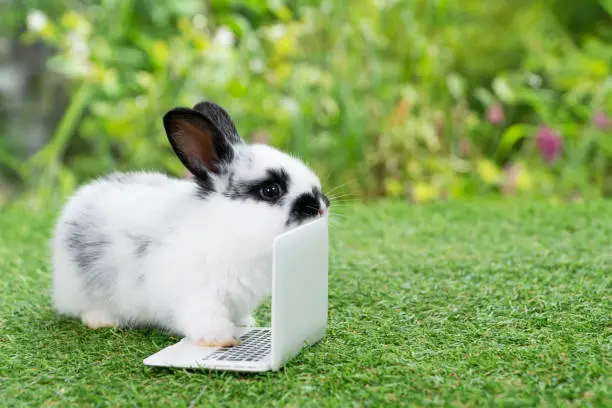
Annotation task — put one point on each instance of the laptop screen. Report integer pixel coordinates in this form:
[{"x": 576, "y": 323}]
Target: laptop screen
[{"x": 299, "y": 289}]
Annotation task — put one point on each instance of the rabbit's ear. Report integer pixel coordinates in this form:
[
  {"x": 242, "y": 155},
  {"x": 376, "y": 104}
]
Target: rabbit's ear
[
  {"x": 221, "y": 119},
  {"x": 198, "y": 143}
]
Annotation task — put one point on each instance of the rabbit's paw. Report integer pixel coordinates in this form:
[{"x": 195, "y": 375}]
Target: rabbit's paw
[
  {"x": 96, "y": 319},
  {"x": 212, "y": 331}
]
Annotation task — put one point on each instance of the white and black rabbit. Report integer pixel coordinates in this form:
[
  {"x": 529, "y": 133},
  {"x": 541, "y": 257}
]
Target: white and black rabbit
[{"x": 192, "y": 256}]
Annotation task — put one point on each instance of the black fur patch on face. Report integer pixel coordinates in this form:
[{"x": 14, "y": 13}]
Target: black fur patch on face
[
  {"x": 252, "y": 189},
  {"x": 304, "y": 207},
  {"x": 307, "y": 206},
  {"x": 88, "y": 246}
]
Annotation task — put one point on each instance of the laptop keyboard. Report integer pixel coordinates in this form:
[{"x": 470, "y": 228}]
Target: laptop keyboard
[{"x": 254, "y": 346}]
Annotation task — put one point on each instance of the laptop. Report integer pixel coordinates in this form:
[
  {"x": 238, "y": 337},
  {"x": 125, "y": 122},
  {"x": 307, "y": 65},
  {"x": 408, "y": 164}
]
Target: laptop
[{"x": 299, "y": 311}]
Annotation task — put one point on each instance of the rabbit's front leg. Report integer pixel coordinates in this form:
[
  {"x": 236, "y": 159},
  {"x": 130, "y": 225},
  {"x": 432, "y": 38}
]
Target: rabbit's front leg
[{"x": 206, "y": 322}]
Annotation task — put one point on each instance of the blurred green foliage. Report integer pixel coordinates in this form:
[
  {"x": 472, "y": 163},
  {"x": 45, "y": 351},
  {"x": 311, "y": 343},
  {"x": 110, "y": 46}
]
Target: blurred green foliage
[{"x": 422, "y": 99}]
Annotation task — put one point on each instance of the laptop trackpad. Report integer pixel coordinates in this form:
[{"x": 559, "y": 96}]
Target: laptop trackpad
[{"x": 255, "y": 346}]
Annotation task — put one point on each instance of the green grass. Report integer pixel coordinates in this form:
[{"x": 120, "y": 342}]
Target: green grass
[{"x": 450, "y": 304}]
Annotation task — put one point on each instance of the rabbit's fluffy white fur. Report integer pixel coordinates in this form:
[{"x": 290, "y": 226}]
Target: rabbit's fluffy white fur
[{"x": 192, "y": 257}]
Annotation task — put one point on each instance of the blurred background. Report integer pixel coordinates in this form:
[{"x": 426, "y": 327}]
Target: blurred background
[{"x": 419, "y": 100}]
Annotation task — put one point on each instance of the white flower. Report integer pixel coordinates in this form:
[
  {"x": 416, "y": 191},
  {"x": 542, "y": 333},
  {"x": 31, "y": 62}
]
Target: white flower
[
  {"x": 36, "y": 21},
  {"x": 310, "y": 74},
  {"x": 290, "y": 106},
  {"x": 257, "y": 66},
  {"x": 224, "y": 37},
  {"x": 277, "y": 31},
  {"x": 200, "y": 22},
  {"x": 534, "y": 80},
  {"x": 78, "y": 46}
]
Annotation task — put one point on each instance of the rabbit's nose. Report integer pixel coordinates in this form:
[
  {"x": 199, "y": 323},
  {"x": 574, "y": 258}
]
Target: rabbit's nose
[{"x": 321, "y": 211}]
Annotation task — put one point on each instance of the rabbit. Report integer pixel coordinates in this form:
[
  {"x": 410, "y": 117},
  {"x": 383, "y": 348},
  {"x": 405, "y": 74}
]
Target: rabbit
[{"x": 189, "y": 256}]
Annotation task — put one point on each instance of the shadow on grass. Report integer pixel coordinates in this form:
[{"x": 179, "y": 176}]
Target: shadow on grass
[{"x": 57, "y": 341}]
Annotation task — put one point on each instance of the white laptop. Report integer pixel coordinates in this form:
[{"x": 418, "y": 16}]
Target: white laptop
[{"x": 299, "y": 311}]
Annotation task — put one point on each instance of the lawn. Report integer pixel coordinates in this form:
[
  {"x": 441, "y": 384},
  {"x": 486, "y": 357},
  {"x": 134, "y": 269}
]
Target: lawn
[{"x": 456, "y": 304}]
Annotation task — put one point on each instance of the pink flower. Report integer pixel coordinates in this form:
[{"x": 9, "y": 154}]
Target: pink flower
[
  {"x": 601, "y": 120},
  {"x": 495, "y": 114},
  {"x": 549, "y": 143}
]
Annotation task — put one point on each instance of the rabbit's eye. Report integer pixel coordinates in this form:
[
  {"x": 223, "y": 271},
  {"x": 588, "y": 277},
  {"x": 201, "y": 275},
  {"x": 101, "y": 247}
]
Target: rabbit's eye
[{"x": 270, "y": 191}]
